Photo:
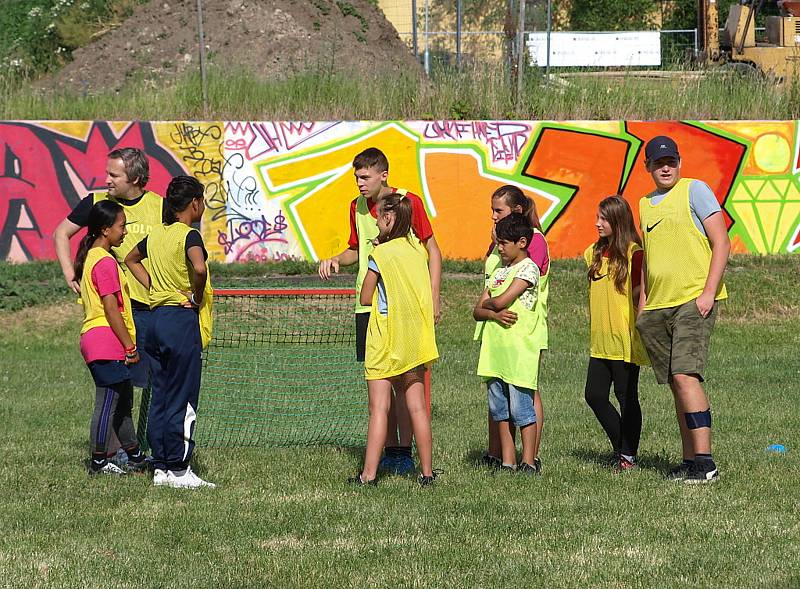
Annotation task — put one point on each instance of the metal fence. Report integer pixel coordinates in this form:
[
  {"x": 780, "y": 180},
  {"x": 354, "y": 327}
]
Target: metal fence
[{"x": 440, "y": 35}]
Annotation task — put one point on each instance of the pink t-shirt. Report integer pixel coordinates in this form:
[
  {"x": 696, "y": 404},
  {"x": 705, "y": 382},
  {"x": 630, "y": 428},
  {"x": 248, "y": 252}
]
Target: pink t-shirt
[
  {"x": 537, "y": 251},
  {"x": 101, "y": 343}
]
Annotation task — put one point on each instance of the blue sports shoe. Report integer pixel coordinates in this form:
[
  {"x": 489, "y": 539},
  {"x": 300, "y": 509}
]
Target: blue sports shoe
[
  {"x": 387, "y": 463},
  {"x": 404, "y": 465}
]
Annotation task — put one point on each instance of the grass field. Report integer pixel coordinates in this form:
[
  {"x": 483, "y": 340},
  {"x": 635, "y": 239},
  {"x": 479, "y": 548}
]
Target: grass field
[{"x": 285, "y": 517}]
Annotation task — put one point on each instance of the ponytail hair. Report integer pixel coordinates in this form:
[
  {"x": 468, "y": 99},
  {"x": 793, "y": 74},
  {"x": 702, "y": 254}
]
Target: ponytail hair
[
  {"x": 514, "y": 197},
  {"x": 616, "y": 210},
  {"x": 182, "y": 190},
  {"x": 401, "y": 206},
  {"x": 102, "y": 215}
]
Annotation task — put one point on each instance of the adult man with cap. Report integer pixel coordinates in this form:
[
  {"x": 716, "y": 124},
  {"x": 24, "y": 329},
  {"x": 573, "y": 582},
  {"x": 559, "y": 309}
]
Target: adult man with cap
[{"x": 686, "y": 249}]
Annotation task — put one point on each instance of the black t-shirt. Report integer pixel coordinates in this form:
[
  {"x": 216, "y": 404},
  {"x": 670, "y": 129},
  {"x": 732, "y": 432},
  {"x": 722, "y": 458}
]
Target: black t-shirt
[
  {"x": 192, "y": 239},
  {"x": 80, "y": 214}
]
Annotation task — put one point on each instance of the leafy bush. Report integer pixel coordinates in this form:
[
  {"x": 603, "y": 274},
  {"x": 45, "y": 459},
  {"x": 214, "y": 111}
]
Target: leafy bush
[{"x": 39, "y": 35}]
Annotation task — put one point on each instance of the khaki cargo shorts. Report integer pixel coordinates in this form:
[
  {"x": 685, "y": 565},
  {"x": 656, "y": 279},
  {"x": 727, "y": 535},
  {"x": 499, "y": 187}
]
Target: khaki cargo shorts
[{"x": 676, "y": 339}]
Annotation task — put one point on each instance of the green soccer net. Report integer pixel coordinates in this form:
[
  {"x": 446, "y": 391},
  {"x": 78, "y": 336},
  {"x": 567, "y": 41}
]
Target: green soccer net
[{"x": 281, "y": 371}]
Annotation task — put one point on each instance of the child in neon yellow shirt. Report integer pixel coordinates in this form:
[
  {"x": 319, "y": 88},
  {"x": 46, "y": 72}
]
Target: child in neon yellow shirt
[
  {"x": 509, "y": 358},
  {"x": 400, "y": 335}
]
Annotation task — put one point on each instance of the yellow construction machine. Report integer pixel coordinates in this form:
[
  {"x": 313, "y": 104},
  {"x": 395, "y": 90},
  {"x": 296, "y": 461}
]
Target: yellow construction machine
[{"x": 778, "y": 55}]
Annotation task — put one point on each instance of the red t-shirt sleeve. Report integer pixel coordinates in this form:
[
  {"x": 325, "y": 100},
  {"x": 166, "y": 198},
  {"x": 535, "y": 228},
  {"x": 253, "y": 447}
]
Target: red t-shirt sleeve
[
  {"x": 106, "y": 277},
  {"x": 636, "y": 268},
  {"x": 537, "y": 251},
  {"x": 353, "y": 241},
  {"x": 419, "y": 218}
]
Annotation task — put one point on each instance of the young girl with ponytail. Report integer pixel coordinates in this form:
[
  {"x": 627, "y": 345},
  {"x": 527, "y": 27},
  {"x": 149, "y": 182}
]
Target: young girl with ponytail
[
  {"x": 180, "y": 297},
  {"x": 108, "y": 337}
]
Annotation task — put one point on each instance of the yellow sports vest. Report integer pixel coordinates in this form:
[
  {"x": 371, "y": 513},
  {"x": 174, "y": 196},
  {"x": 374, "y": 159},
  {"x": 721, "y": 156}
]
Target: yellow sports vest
[
  {"x": 93, "y": 312},
  {"x": 493, "y": 262},
  {"x": 404, "y": 338},
  {"x": 139, "y": 221},
  {"x": 677, "y": 254},
  {"x": 512, "y": 353},
  {"x": 612, "y": 316},
  {"x": 171, "y": 272},
  {"x": 367, "y": 230}
]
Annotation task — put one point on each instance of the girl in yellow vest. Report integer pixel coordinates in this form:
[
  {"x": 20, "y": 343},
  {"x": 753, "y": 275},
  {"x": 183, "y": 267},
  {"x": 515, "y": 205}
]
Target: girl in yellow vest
[
  {"x": 614, "y": 276},
  {"x": 108, "y": 337},
  {"x": 506, "y": 200},
  {"x": 400, "y": 336},
  {"x": 509, "y": 358},
  {"x": 180, "y": 296}
]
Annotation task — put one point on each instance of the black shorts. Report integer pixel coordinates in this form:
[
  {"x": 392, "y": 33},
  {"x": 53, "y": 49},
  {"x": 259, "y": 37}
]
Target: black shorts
[
  {"x": 107, "y": 373},
  {"x": 362, "y": 321}
]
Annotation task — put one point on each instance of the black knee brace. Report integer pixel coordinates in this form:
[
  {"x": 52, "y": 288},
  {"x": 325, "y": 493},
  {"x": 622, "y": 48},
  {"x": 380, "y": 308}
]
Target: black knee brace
[{"x": 698, "y": 419}]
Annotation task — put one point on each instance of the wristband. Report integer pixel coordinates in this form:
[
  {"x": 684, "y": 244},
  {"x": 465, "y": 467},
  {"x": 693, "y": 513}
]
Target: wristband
[
  {"x": 191, "y": 300},
  {"x": 131, "y": 350}
]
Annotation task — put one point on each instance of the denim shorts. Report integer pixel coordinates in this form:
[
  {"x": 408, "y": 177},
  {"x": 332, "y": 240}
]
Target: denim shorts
[{"x": 508, "y": 402}]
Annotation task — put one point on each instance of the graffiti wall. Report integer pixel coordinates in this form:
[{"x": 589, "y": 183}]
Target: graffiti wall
[{"x": 281, "y": 190}]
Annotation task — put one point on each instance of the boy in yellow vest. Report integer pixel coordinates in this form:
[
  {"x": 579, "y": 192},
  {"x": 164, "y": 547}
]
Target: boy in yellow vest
[
  {"x": 371, "y": 169},
  {"x": 686, "y": 249},
  {"x": 509, "y": 358},
  {"x": 127, "y": 174}
]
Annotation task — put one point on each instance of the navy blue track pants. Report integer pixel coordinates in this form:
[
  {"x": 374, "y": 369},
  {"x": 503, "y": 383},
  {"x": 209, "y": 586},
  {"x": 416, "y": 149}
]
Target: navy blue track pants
[{"x": 173, "y": 342}]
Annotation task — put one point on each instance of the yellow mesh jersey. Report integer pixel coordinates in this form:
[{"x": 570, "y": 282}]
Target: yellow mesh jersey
[
  {"x": 93, "y": 312},
  {"x": 139, "y": 221},
  {"x": 512, "y": 353},
  {"x": 677, "y": 254},
  {"x": 367, "y": 229},
  {"x": 492, "y": 263},
  {"x": 613, "y": 315},
  {"x": 171, "y": 272},
  {"x": 404, "y": 338}
]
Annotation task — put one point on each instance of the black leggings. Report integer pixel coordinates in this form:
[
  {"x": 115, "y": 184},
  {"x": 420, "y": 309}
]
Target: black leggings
[
  {"x": 112, "y": 411},
  {"x": 623, "y": 428}
]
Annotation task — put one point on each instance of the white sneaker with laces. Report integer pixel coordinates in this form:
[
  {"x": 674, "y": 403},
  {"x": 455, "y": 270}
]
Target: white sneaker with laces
[
  {"x": 188, "y": 480},
  {"x": 160, "y": 477}
]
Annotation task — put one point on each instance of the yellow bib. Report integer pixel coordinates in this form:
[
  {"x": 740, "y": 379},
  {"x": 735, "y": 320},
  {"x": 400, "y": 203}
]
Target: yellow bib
[
  {"x": 93, "y": 312},
  {"x": 367, "y": 231},
  {"x": 171, "y": 272},
  {"x": 613, "y": 315},
  {"x": 404, "y": 338},
  {"x": 677, "y": 254},
  {"x": 139, "y": 221},
  {"x": 493, "y": 262}
]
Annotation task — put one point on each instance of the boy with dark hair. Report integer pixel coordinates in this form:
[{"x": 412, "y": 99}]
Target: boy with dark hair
[
  {"x": 371, "y": 170},
  {"x": 686, "y": 249},
  {"x": 509, "y": 358}
]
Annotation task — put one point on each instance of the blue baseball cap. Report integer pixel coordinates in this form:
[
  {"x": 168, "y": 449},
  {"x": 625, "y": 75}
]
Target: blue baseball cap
[{"x": 661, "y": 146}]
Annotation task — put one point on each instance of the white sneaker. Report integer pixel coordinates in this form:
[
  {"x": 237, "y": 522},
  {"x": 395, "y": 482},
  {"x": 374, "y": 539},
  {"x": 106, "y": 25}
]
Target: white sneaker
[
  {"x": 109, "y": 468},
  {"x": 188, "y": 480},
  {"x": 160, "y": 477}
]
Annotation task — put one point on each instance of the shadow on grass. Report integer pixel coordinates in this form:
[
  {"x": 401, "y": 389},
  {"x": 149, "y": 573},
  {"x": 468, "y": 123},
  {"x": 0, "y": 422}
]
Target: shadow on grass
[
  {"x": 657, "y": 462},
  {"x": 474, "y": 458}
]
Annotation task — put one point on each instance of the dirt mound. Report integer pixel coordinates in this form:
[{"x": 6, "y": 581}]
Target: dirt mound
[{"x": 270, "y": 38}]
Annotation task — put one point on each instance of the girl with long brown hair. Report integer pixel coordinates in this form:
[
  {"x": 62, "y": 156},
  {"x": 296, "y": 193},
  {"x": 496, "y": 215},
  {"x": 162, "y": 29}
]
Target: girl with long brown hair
[{"x": 614, "y": 264}]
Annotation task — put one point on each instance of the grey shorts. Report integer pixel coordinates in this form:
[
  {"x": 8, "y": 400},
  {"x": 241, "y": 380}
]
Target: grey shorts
[{"x": 676, "y": 339}]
